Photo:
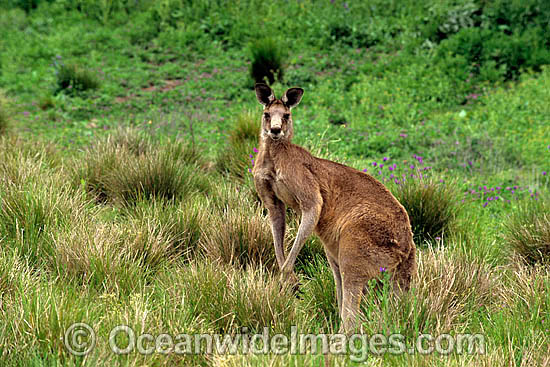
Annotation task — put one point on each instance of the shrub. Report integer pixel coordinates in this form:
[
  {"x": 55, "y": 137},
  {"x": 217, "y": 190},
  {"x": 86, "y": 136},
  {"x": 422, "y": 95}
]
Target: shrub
[
  {"x": 27, "y": 5},
  {"x": 527, "y": 232},
  {"x": 433, "y": 206},
  {"x": 267, "y": 61},
  {"x": 493, "y": 55},
  {"x": 73, "y": 79}
]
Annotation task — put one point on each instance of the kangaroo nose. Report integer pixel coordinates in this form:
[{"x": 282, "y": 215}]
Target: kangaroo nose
[{"x": 275, "y": 130}]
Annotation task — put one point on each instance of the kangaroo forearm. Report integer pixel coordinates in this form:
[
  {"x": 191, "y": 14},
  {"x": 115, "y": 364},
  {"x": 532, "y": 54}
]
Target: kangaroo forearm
[{"x": 307, "y": 225}]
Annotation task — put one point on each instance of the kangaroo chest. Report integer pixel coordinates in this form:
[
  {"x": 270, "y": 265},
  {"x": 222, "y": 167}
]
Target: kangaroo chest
[{"x": 284, "y": 192}]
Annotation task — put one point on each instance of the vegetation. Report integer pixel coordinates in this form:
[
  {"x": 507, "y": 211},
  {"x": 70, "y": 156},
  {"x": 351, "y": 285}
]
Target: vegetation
[{"x": 128, "y": 129}]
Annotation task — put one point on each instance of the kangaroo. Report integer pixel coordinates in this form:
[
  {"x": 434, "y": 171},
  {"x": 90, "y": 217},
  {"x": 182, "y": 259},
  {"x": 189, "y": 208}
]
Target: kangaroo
[{"x": 363, "y": 228}]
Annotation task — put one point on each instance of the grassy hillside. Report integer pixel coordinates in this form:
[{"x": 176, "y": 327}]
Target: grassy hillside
[{"x": 128, "y": 130}]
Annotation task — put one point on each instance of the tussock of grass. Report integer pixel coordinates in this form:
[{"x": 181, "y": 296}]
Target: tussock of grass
[
  {"x": 159, "y": 175},
  {"x": 180, "y": 225},
  {"x": 527, "y": 232},
  {"x": 267, "y": 61},
  {"x": 433, "y": 206},
  {"x": 72, "y": 79},
  {"x": 15, "y": 274},
  {"x": 239, "y": 235},
  {"x": 34, "y": 320},
  {"x": 127, "y": 168},
  {"x": 104, "y": 255},
  {"x": 236, "y": 159},
  {"x": 320, "y": 292},
  {"x": 228, "y": 298},
  {"x": 447, "y": 288},
  {"x": 245, "y": 128},
  {"x": 4, "y": 114},
  {"x": 28, "y": 214},
  {"x": 23, "y": 161}
]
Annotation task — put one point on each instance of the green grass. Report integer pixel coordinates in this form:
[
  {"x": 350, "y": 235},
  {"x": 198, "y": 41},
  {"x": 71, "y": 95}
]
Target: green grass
[{"x": 127, "y": 199}]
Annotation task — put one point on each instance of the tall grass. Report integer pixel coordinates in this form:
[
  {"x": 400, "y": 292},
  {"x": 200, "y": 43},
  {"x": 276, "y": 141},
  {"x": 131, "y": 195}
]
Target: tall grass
[
  {"x": 239, "y": 235},
  {"x": 527, "y": 232},
  {"x": 4, "y": 114},
  {"x": 236, "y": 159},
  {"x": 447, "y": 288},
  {"x": 229, "y": 299},
  {"x": 126, "y": 168},
  {"x": 433, "y": 206}
]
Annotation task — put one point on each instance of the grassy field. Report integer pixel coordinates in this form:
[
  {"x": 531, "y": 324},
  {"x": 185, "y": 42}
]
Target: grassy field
[{"x": 128, "y": 130}]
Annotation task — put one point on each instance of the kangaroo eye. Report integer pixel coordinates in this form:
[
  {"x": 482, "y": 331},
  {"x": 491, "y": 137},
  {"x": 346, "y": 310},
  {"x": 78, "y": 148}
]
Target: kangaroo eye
[
  {"x": 266, "y": 115},
  {"x": 286, "y": 116}
]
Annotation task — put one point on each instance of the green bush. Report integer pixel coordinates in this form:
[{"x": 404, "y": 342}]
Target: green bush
[
  {"x": 27, "y": 5},
  {"x": 73, "y": 79},
  {"x": 433, "y": 207},
  {"x": 527, "y": 232},
  {"x": 267, "y": 61},
  {"x": 493, "y": 55}
]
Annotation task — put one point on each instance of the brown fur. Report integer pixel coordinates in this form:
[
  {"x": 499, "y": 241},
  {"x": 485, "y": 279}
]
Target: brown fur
[{"x": 362, "y": 226}]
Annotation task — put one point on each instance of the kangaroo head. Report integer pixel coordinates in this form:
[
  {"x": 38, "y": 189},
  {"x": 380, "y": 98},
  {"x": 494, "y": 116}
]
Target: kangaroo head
[{"x": 277, "y": 118}]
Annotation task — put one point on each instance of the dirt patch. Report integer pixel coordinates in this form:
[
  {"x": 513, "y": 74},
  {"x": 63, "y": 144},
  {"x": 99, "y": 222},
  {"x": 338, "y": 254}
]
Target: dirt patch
[{"x": 169, "y": 84}]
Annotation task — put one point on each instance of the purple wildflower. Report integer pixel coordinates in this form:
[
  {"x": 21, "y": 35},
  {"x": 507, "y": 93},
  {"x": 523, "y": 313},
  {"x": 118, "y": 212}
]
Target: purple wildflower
[
  {"x": 255, "y": 150},
  {"x": 374, "y": 164},
  {"x": 485, "y": 204},
  {"x": 385, "y": 159},
  {"x": 382, "y": 269},
  {"x": 544, "y": 173}
]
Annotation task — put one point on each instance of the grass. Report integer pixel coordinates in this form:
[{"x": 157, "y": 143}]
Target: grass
[
  {"x": 527, "y": 232},
  {"x": 433, "y": 206},
  {"x": 126, "y": 199}
]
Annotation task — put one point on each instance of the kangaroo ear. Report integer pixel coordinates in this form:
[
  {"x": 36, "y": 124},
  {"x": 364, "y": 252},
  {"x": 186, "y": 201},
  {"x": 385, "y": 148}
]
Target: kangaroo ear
[
  {"x": 292, "y": 97},
  {"x": 264, "y": 93}
]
